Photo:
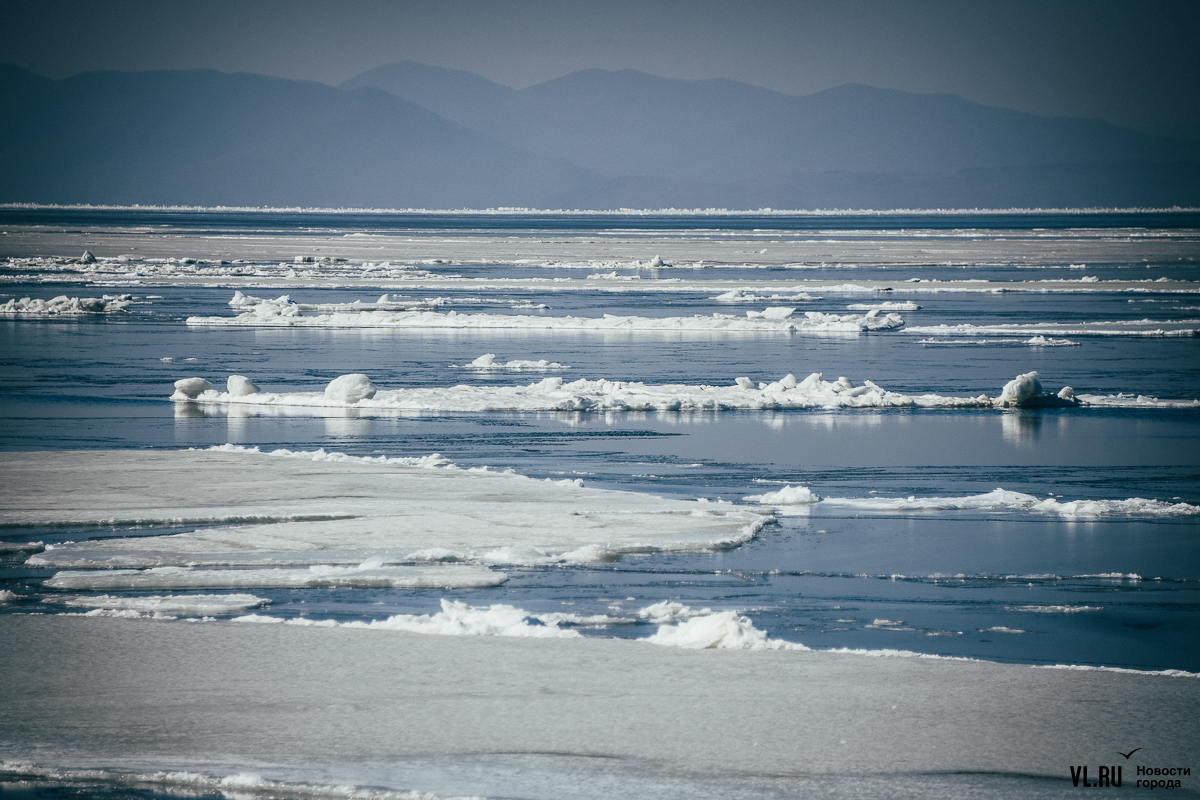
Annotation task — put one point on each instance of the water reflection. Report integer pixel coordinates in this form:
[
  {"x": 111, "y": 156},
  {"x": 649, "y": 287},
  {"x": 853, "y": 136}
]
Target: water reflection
[
  {"x": 347, "y": 425},
  {"x": 1021, "y": 428}
]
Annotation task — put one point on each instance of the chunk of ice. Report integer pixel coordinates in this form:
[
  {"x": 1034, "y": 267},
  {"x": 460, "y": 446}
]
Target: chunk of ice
[{"x": 350, "y": 389}]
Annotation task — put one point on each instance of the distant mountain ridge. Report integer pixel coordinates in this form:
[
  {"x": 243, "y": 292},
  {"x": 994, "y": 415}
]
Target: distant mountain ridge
[
  {"x": 212, "y": 138},
  {"x": 412, "y": 135}
]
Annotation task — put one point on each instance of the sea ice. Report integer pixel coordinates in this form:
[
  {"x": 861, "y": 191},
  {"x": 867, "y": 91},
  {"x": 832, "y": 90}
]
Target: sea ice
[
  {"x": 553, "y": 394},
  {"x": 63, "y": 305},
  {"x": 487, "y": 361},
  {"x": 748, "y": 296},
  {"x": 787, "y": 496},
  {"x": 191, "y": 388},
  {"x": 283, "y": 312},
  {"x": 891, "y": 305},
  {"x": 350, "y": 389},
  {"x": 708, "y": 629},
  {"x": 995, "y": 500},
  {"x": 357, "y": 509},
  {"x": 1020, "y": 389},
  {"x": 191, "y": 605},
  {"x": 1143, "y": 327},
  {"x": 240, "y": 386},
  {"x": 370, "y": 573}
]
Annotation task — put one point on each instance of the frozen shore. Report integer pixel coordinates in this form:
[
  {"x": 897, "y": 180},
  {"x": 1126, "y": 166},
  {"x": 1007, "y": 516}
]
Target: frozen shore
[{"x": 564, "y": 718}]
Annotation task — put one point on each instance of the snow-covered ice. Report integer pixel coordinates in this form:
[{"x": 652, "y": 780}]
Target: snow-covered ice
[
  {"x": 488, "y": 361},
  {"x": 372, "y": 572},
  {"x": 66, "y": 306},
  {"x": 1033, "y": 341},
  {"x": 357, "y": 509},
  {"x": 191, "y": 605},
  {"x": 748, "y": 296},
  {"x": 708, "y": 629},
  {"x": 553, "y": 394},
  {"x": 890, "y": 305},
  {"x": 1142, "y": 327},
  {"x": 995, "y": 500},
  {"x": 282, "y": 312}
]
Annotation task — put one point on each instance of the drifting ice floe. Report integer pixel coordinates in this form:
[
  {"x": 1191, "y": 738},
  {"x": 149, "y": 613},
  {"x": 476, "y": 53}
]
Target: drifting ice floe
[
  {"x": 1141, "y": 327},
  {"x": 374, "y": 508},
  {"x": 383, "y": 303},
  {"x": 748, "y": 296},
  {"x": 553, "y": 394},
  {"x": 995, "y": 500},
  {"x": 282, "y": 312},
  {"x": 370, "y": 573},
  {"x": 903, "y": 305},
  {"x": 193, "y": 605},
  {"x": 487, "y": 361},
  {"x": 1036, "y": 341},
  {"x": 66, "y": 306}
]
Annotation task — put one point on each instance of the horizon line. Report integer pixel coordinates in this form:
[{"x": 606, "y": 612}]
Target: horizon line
[{"x": 624, "y": 211}]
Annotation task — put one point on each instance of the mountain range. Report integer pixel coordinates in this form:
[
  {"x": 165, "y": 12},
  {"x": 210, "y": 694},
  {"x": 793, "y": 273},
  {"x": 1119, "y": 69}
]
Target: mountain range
[{"x": 409, "y": 135}]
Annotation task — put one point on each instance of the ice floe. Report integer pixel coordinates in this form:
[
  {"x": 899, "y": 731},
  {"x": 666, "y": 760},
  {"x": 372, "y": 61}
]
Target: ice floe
[
  {"x": 455, "y": 619},
  {"x": 1141, "y": 327},
  {"x": 891, "y": 305},
  {"x": 1035, "y": 341},
  {"x": 191, "y": 605},
  {"x": 395, "y": 510},
  {"x": 66, "y": 306},
  {"x": 282, "y": 312},
  {"x": 748, "y": 296},
  {"x": 488, "y": 361},
  {"x": 995, "y": 500},
  {"x": 372, "y": 572},
  {"x": 283, "y": 304},
  {"x": 553, "y": 394},
  {"x": 1054, "y": 609}
]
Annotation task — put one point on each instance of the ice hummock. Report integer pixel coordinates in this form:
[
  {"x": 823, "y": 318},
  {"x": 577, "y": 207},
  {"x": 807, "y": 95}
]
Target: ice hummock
[
  {"x": 719, "y": 630},
  {"x": 411, "y": 518},
  {"x": 282, "y": 312}
]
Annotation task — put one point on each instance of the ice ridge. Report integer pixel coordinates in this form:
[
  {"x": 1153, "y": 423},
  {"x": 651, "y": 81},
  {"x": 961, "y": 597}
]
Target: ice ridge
[{"x": 554, "y": 394}]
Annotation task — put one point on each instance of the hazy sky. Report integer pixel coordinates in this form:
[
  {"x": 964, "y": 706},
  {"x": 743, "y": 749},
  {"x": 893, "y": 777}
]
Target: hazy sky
[{"x": 1132, "y": 63}]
